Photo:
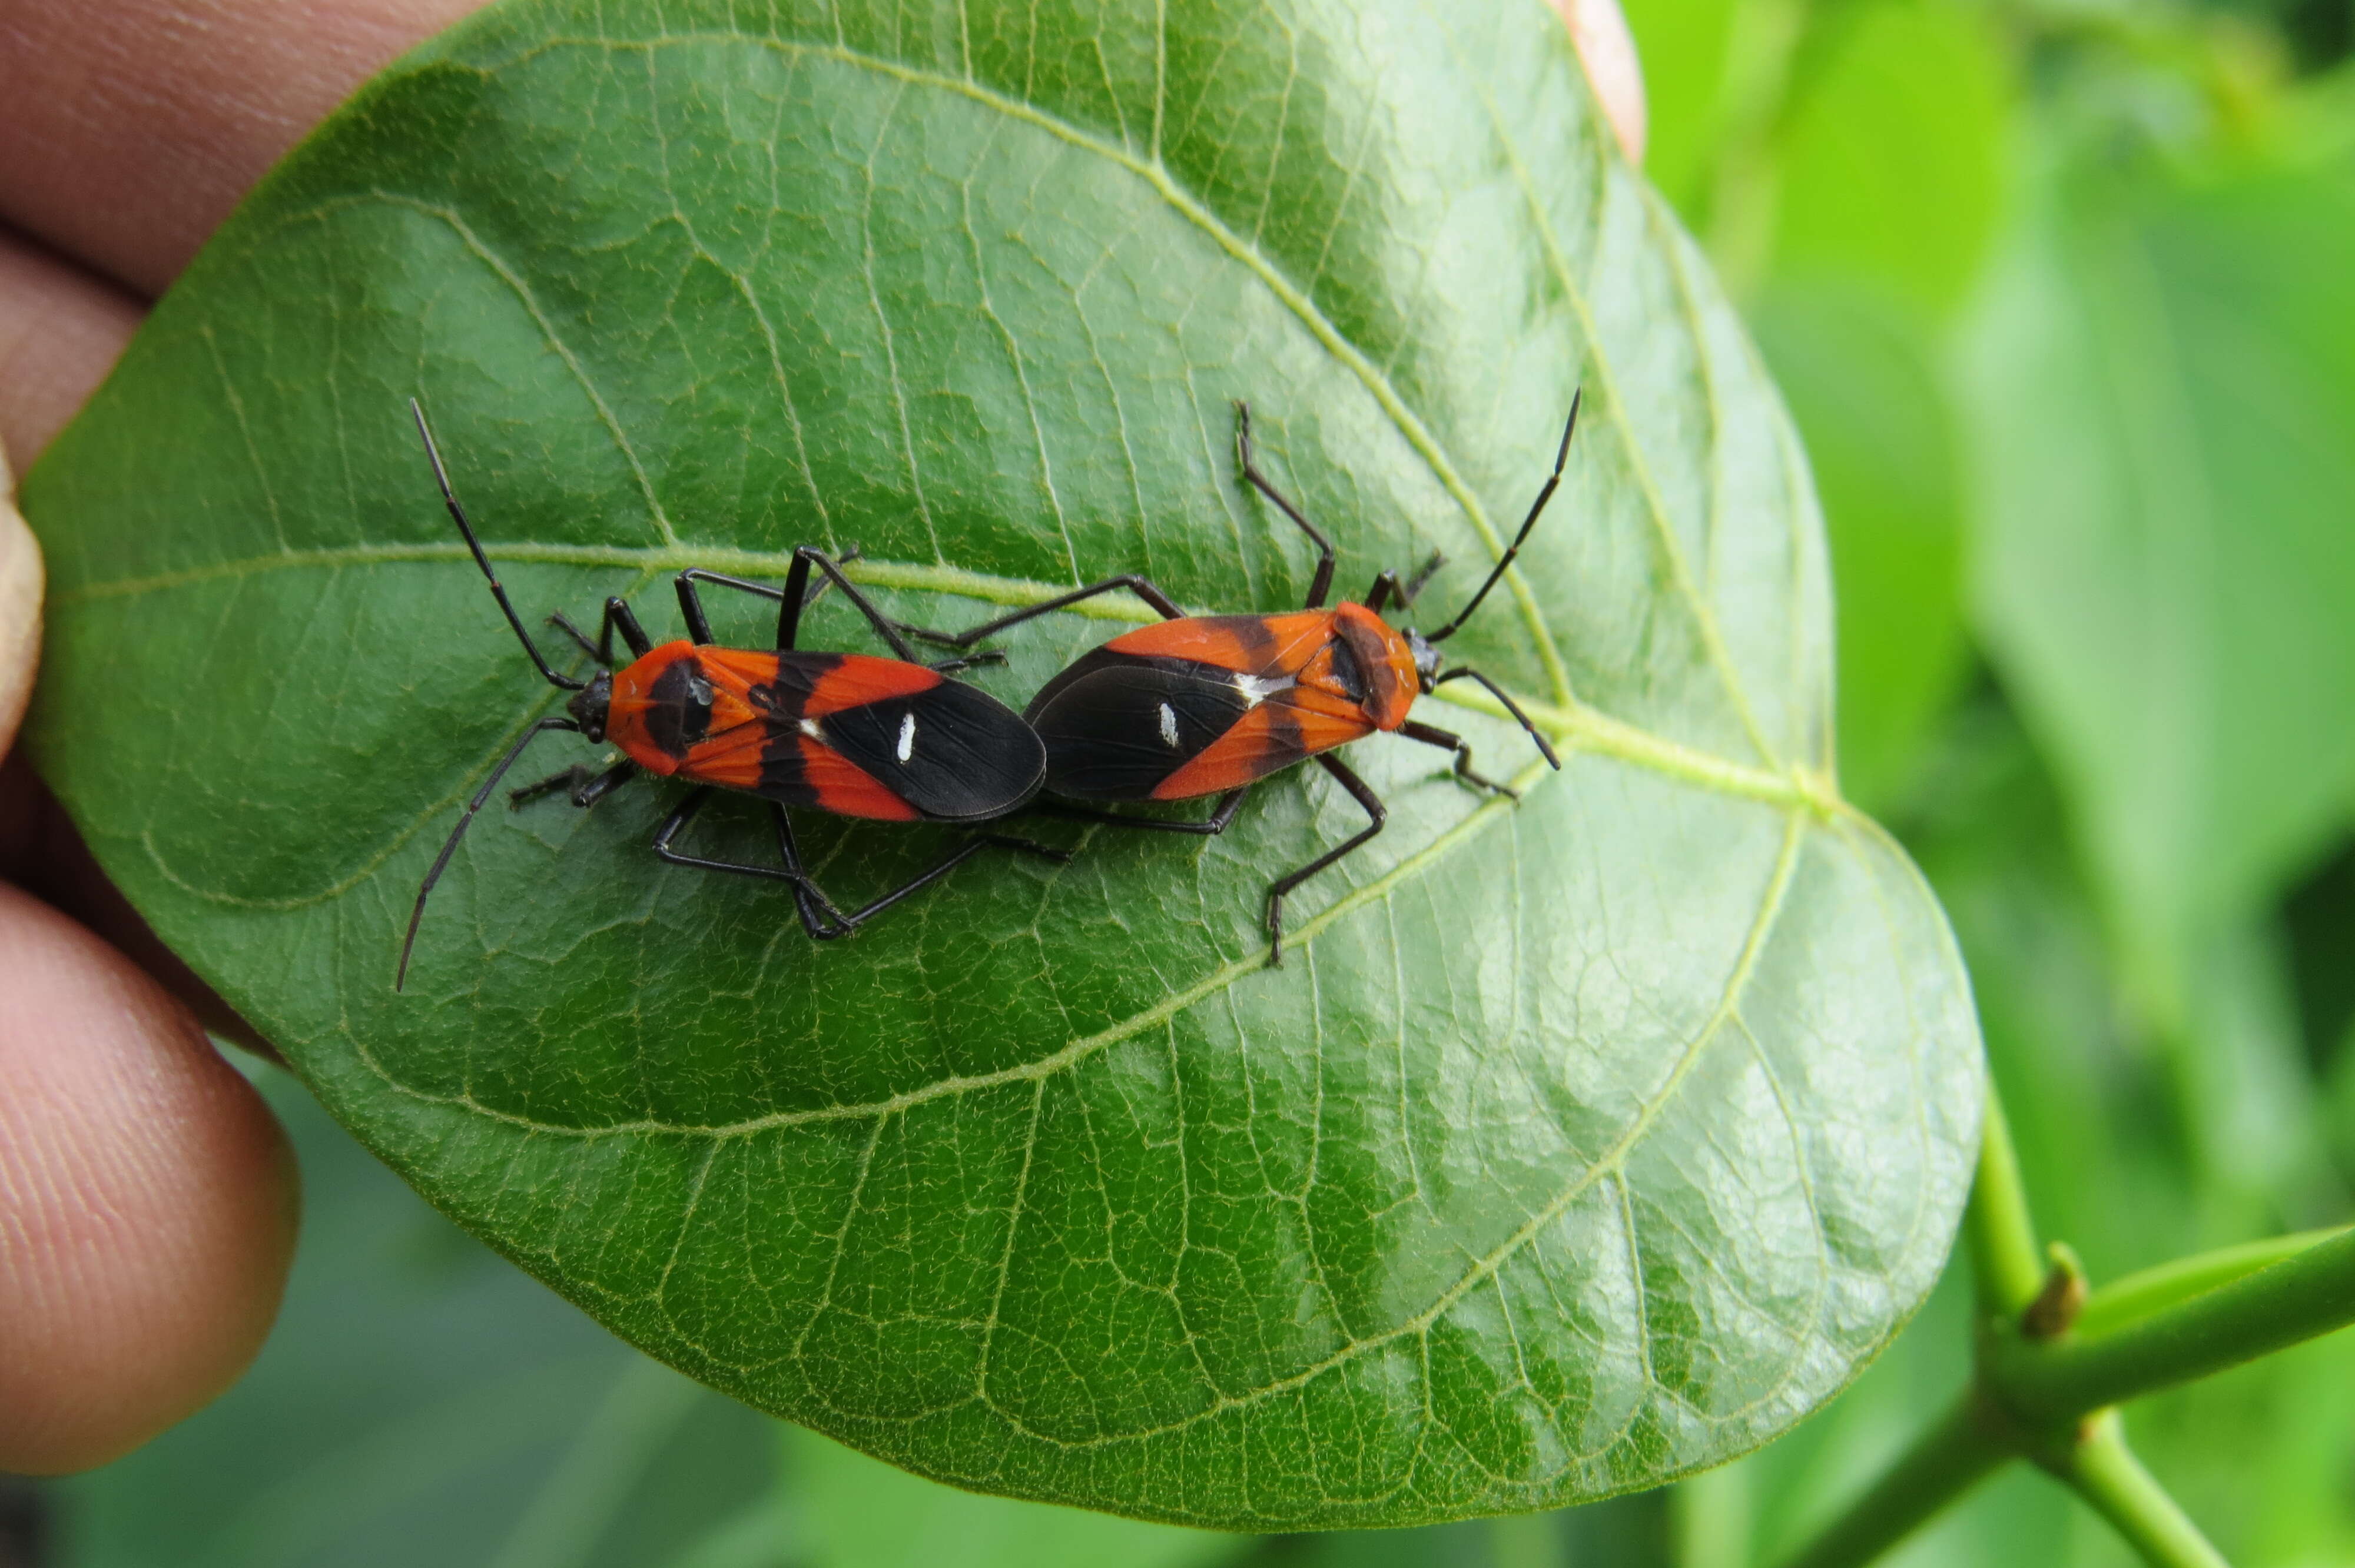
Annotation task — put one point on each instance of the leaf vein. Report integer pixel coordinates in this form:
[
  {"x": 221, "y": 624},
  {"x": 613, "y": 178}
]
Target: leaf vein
[{"x": 1610, "y": 1166}]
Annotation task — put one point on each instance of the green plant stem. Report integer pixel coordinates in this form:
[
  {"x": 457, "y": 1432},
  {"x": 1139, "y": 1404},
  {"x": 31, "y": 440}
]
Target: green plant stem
[
  {"x": 2102, "y": 1470},
  {"x": 2050, "y": 1400},
  {"x": 2007, "y": 1268},
  {"x": 1944, "y": 1463},
  {"x": 2061, "y": 1380},
  {"x": 2137, "y": 1296}
]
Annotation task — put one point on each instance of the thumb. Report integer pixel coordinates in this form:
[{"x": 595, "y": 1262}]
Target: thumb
[
  {"x": 20, "y": 610},
  {"x": 1607, "y": 50}
]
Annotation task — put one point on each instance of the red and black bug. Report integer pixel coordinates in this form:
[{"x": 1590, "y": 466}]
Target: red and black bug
[
  {"x": 1211, "y": 705},
  {"x": 889, "y": 739}
]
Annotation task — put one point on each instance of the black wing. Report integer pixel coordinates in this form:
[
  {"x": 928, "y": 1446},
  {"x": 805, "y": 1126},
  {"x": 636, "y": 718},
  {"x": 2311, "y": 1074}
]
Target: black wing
[
  {"x": 953, "y": 752},
  {"x": 1116, "y": 724}
]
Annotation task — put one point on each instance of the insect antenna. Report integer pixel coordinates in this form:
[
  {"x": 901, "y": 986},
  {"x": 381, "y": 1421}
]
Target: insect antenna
[
  {"x": 449, "y": 848},
  {"x": 1464, "y": 672},
  {"x": 458, "y": 515},
  {"x": 1553, "y": 481}
]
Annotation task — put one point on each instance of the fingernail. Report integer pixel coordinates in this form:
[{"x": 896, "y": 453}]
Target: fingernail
[
  {"x": 20, "y": 610},
  {"x": 1607, "y": 50}
]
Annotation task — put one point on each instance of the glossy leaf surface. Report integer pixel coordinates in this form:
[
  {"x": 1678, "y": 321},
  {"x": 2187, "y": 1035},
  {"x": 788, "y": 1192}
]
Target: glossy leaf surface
[{"x": 1581, "y": 1141}]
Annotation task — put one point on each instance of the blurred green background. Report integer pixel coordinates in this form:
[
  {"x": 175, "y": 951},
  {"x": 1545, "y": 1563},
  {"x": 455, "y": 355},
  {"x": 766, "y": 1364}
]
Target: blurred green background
[{"x": 2062, "y": 296}]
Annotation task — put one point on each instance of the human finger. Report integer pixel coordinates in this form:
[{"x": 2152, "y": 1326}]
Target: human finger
[
  {"x": 147, "y": 1203},
  {"x": 61, "y": 330},
  {"x": 1607, "y": 50},
  {"x": 135, "y": 125}
]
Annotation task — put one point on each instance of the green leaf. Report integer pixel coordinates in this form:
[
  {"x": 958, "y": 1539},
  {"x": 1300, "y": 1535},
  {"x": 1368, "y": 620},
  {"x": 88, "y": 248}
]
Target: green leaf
[
  {"x": 2162, "y": 384},
  {"x": 1582, "y": 1140},
  {"x": 1860, "y": 371}
]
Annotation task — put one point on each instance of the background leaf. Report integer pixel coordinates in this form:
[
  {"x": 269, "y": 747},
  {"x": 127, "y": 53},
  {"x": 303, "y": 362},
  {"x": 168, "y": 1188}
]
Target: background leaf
[
  {"x": 1860, "y": 371},
  {"x": 1585, "y": 1140},
  {"x": 2157, "y": 364},
  {"x": 860, "y": 1513},
  {"x": 1891, "y": 159}
]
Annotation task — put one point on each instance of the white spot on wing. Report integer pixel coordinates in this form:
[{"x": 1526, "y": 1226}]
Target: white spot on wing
[
  {"x": 907, "y": 736},
  {"x": 809, "y": 729},
  {"x": 1169, "y": 727},
  {"x": 1255, "y": 691}
]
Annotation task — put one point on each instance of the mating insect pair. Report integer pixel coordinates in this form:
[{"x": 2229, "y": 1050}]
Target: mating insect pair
[{"x": 1195, "y": 705}]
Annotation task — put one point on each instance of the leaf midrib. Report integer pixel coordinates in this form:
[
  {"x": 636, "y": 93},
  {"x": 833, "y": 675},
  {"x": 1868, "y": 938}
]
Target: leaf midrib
[
  {"x": 1573, "y": 727},
  {"x": 1073, "y": 1052},
  {"x": 1574, "y": 723}
]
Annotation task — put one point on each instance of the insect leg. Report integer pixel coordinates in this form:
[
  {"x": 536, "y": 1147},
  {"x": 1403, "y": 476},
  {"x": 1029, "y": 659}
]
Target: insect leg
[
  {"x": 584, "y": 786},
  {"x": 1464, "y": 672},
  {"x": 1143, "y": 588},
  {"x": 965, "y": 662},
  {"x": 1448, "y": 740},
  {"x": 885, "y": 629},
  {"x": 1388, "y": 587},
  {"x": 825, "y": 920},
  {"x": 589, "y": 791},
  {"x": 687, "y": 811},
  {"x": 563, "y": 622},
  {"x": 698, "y": 625},
  {"x": 691, "y": 605},
  {"x": 620, "y": 616},
  {"x": 1421, "y": 578},
  {"x": 618, "y": 613},
  {"x": 797, "y": 595},
  {"x": 1365, "y": 797},
  {"x": 805, "y": 890},
  {"x": 791, "y": 598},
  {"x": 1216, "y": 822},
  {"x": 838, "y": 924},
  {"x": 573, "y": 777},
  {"x": 1322, "y": 582},
  {"x": 465, "y": 820},
  {"x": 819, "y": 917},
  {"x": 957, "y": 857}
]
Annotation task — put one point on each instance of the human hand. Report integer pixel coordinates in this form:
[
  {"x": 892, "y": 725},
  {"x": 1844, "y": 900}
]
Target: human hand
[{"x": 147, "y": 1198}]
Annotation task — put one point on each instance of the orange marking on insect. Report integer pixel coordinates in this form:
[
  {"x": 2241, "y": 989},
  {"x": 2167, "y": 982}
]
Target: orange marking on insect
[
  {"x": 1249, "y": 749},
  {"x": 734, "y": 671},
  {"x": 731, "y": 759},
  {"x": 1264, "y": 645},
  {"x": 1268, "y": 739},
  {"x": 847, "y": 790},
  {"x": 645, "y": 705},
  {"x": 861, "y": 679}
]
